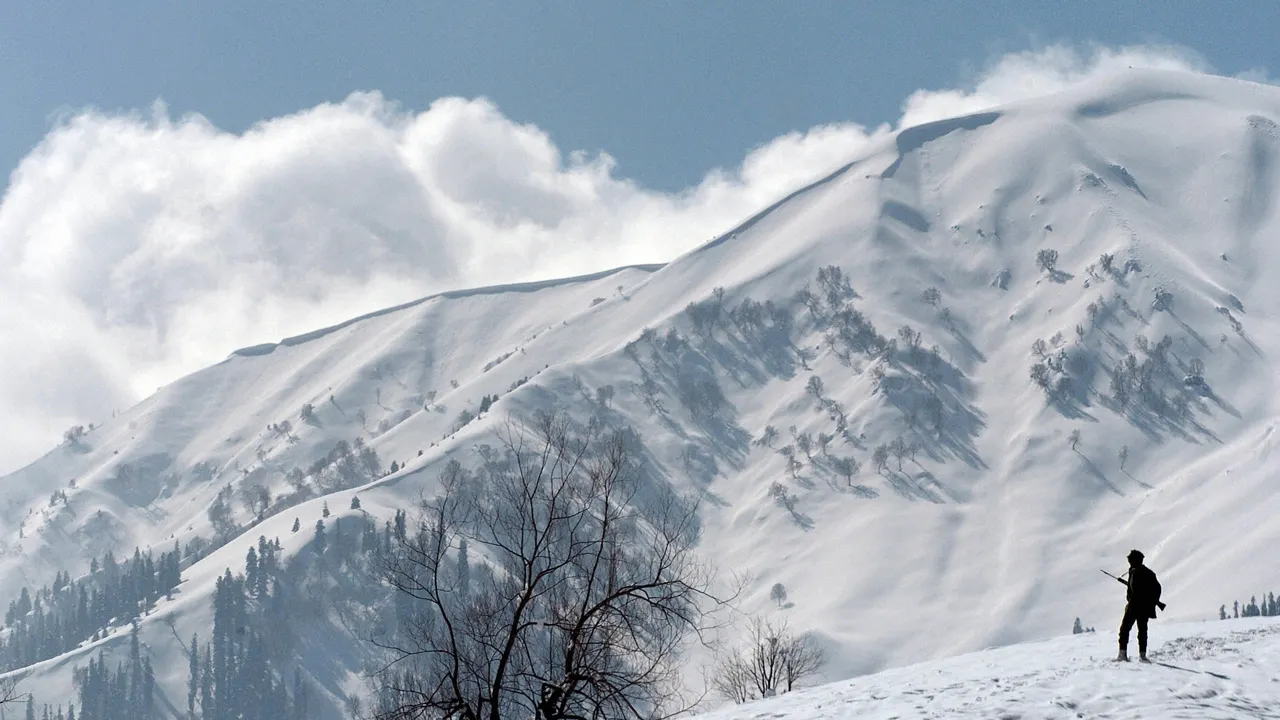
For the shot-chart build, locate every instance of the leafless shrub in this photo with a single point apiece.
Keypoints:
(772, 660)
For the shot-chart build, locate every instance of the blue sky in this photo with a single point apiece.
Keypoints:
(669, 89)
(318, 160)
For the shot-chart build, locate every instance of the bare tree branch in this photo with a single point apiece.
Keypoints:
(583, 591)
(772, 660)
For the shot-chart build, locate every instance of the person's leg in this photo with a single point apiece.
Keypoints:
(1125, 626)
(1142, 636)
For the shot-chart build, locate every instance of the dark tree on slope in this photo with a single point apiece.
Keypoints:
(880, 456)
(1047, 260)
(845, 467)
(778, 594)
(581, 606)
(931, 296)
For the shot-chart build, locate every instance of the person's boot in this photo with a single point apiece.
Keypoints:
(1123, 656)
(1142, 655)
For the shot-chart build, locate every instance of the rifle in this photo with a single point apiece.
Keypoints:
(1126, 584)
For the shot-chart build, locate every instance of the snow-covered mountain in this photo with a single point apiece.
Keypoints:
(1155, 194)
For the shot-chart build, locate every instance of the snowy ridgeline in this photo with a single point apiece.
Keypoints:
(960, 375)
(1212, 670)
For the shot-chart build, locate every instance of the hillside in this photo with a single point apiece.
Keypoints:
(1203, 670)
(990, 527)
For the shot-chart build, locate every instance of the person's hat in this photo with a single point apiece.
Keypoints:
(1135, 555)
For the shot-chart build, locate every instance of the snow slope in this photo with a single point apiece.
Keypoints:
(1204, 670)
(992, 535)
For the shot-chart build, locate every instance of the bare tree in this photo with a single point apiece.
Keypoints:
(604, 395)
(1047, 260)
(581, 605)
(880, 456)
(76, 433)
(1040, 375)
(256, 499)
(778, 593)
(773, 660)
(899, 449)
(9, 690)
(824, 442)
(804, 441)
(846, 468)
(931, 296)
(910, 338)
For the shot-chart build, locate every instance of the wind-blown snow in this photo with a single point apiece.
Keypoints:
(994, 534)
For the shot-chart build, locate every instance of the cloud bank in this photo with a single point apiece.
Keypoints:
(137, 248)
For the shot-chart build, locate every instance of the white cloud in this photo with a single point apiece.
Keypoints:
(137, 248)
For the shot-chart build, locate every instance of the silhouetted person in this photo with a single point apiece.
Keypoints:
(1143, 596)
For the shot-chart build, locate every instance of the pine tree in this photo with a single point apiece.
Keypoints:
(251, 569)
(324, 509)
(148, 690)
(320, 539)
(31, 708)
(193, 678)
(1222, 612)
(1078, 628)
(135, 673)
(297, 525)
(208, 706)
(355, 502)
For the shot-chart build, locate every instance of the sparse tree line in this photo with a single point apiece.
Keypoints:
(346, 465)
(696, 387)
(1267, 608)
(846, 332)
(1156, 383)
(1152, 380)
(53, 620)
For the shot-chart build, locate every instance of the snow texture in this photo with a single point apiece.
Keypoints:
(1210, 670)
